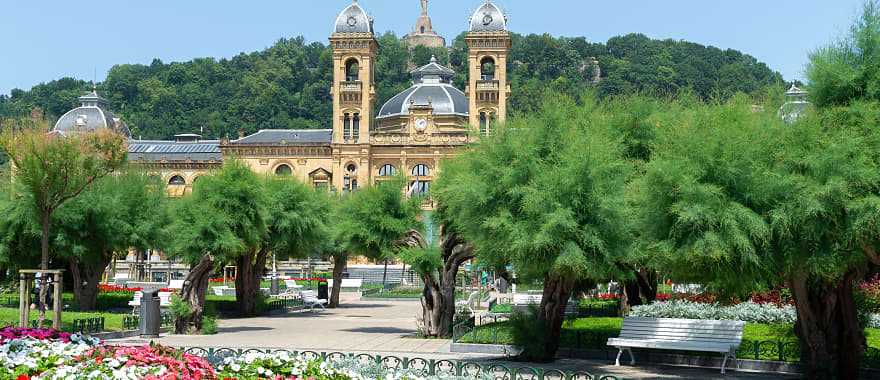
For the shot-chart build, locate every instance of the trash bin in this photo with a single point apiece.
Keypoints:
(151, 317)
(323, 292)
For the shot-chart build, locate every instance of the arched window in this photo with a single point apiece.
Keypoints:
(352, 70)
(421, 170)
(283, 170)
(487, 68)
(484, 124)
(177, 180)
(387, 170)
(423, 29)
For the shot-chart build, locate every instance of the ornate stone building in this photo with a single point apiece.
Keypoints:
(413, 132)
(423, 34)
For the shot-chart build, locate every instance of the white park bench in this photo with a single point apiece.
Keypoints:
(164, 300)
(311, 300)
(527, 299)
(723, 337)
(348, 283)
(292, 285)
(223, 291)
(469, 302)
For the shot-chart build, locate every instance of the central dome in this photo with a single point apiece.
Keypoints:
(90, 116)
(432, 85)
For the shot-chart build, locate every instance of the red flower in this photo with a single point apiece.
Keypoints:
(23, 377)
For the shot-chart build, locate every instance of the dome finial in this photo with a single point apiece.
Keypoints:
(433, 58)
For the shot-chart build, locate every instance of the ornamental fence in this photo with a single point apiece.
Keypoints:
(426, 367)
(492, 330)
(133, 321)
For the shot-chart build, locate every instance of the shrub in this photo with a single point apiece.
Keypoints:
(747, 311)
(529, 333)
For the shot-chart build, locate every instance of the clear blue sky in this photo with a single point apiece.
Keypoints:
(41, 40)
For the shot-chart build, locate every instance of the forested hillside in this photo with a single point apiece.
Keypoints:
(287, 85)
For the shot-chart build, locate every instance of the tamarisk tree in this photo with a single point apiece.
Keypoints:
(437, 266)
(371, 222)
(54, 168)
(735, 198)
(545, 194)
(221, 221)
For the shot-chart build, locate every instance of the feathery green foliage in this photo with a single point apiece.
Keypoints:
(544, 193)
(370, 221)
(849, 68)
(224, 216)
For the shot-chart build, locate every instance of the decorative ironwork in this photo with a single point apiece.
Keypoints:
(427, 367)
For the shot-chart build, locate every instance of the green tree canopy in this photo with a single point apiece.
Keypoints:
(545, 194)
(848, 68)
(113, 215)
(738, 200)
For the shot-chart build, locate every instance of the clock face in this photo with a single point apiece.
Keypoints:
(352, 21)
(487, 19)
(421, 125)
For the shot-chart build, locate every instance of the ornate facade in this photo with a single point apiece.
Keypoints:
(412, 133)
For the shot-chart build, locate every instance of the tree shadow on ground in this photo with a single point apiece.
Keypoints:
(242, 329)
(381, 330)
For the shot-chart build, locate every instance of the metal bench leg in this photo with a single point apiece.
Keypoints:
(619, 352)
(632, 359)
(724, 362)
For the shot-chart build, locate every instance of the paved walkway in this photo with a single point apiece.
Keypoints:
(386, 328)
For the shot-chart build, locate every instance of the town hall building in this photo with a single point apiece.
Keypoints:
(411, 133)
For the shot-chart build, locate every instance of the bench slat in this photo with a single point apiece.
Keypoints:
(682, 322)
(683, 346)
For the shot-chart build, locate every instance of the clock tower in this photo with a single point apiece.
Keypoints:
(354, 95)
(488, 43)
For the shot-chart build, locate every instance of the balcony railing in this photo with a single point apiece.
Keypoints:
(351, 86)
(487, 85)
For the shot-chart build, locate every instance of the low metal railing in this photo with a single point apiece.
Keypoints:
(427, 367)
(88, 325)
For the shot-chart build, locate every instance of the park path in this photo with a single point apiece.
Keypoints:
(386, 328)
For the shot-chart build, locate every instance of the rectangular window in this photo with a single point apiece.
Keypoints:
(483, 124)
(346, 128)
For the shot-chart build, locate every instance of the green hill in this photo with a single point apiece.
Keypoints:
(287, 85)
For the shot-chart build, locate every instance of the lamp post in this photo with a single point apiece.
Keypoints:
(273, 287)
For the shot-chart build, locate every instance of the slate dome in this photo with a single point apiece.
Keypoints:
(90, 116)
(432, 84)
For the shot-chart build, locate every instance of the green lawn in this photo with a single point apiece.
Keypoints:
(592, 333)
(112, 321)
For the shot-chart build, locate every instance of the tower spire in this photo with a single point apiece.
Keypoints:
(424, 7)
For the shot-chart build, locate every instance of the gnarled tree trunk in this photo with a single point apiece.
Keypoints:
(831, 340)
(642, 289)
(339, 263)
(557, 291)
(251, 267)
(86, 277)
(195, 287)
(438, 298)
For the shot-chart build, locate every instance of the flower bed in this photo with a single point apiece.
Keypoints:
(109, 288)
(147, 362)
(52, 355)
(747, 311)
